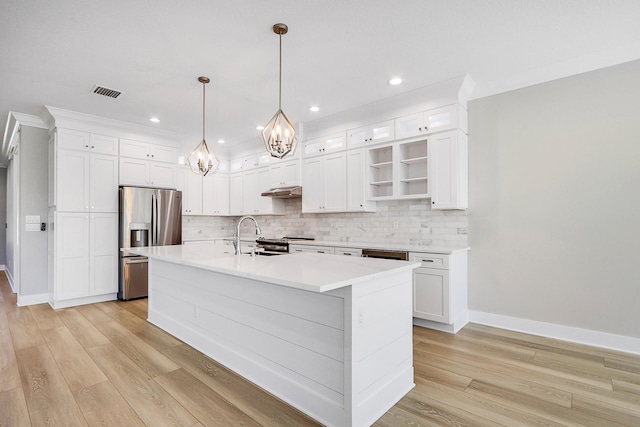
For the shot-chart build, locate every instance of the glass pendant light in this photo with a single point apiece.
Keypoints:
(279, 135)
(202, 160)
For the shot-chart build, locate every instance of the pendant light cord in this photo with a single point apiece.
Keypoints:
(203, 105)
(280, 78)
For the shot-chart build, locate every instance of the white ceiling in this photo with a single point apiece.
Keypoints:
(338, 54)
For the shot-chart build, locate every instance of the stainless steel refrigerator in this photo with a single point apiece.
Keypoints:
(148, 217)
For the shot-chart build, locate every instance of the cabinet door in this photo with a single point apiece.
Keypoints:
(134, 172)
(221, 194)
(313, 185)
(72, 181)
(134, 149)
(264, 204)
(251, 192)
(72, 255)
(431, 294)
(235, 194)
(335, 176)
(445, 118)
(163, 153)
(215, 194)
(104, 183)
(73, 139)
(192, 195)
(447, 170)
(356, 182)
(103, 144)
(103, 266)
(382, 132)
(162, 175)
(409, 126)
(357, 137)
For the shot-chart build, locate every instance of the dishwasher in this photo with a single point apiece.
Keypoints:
(385, 254)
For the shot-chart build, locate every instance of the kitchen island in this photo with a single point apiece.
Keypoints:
(330, 335)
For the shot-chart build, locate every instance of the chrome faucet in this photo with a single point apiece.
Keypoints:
(236, 237)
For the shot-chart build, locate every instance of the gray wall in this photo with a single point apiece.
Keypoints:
(3, 215)
(554, 215)
(33, 201)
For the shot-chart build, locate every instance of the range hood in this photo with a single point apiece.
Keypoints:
(284, 192)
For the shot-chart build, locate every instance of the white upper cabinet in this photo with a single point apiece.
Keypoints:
(256, 161)
(357, 182)
(448, 165)
(325, 145)
(215, 194)
(324, 181)
(86, 182)
(284, 174)
(372, 134)
(85, 141)
(147, 151)
(436, 120)
(253, 203)
(236, 194)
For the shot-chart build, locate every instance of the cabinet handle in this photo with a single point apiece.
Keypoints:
(433, 203)
(427, 260)
(320, 252)
(147, 155)
(152, 155)
(93, 146)
(86, 146)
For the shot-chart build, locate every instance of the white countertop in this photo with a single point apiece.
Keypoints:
(307, 271)
(359, 245)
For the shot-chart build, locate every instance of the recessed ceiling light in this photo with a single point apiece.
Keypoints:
(314, 108)
(395, 81)
(260, 127)
(154, 120)
(221, 141)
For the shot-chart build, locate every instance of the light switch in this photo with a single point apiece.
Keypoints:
(32, 227)
(32, 219)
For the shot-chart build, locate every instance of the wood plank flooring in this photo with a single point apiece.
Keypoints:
(104, 364)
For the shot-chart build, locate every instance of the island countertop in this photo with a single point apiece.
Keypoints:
(306, 271)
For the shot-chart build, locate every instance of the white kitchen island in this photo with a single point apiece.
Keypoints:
(330, 335)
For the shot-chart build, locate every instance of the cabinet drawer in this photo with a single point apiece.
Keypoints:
(349, 252)
(312, 249)
(430, 260)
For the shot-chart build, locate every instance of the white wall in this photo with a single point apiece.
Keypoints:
(554, 215)
(3, 215)
(31, 182)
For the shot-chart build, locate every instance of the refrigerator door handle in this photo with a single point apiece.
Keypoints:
(154, 220)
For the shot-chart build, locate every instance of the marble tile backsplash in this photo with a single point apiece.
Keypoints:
(399, 221)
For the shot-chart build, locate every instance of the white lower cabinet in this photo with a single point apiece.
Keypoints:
(85, 258)
(440, 290)
(312, 249)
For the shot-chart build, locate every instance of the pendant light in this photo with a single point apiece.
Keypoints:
(279, 135)
(202, 160)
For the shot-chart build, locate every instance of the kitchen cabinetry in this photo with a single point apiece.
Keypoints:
(448, 165)
(440, 290)
(324, 179)
(84, 141)
(235, 194)
(372, 134)
(145, 164)
(215, 194)
(284, 173)
(436, 120)
(380, 166)
(325, 145)
(357, 182)
(355, 252)
(312, 249)
(85, 260)
(254, 183)
(84, 180)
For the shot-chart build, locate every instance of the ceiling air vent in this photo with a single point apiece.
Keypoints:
(111, 93)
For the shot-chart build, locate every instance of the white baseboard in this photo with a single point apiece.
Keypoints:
(11, 282)
(551, 330)
(24, 300)
(2, 267)
(458, 323)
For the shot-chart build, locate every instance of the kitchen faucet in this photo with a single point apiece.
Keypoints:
(236, 237)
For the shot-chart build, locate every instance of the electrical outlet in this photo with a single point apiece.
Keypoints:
(395, 225)
(462, 231)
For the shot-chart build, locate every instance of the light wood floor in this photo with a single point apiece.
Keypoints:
(103, 364)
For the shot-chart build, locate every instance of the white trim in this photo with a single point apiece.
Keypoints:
(551, 330)
(453, 328)
(29, 120)
(81, 301)
(24, 300)
(11, 282)
(2, 267)
(594, 61)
